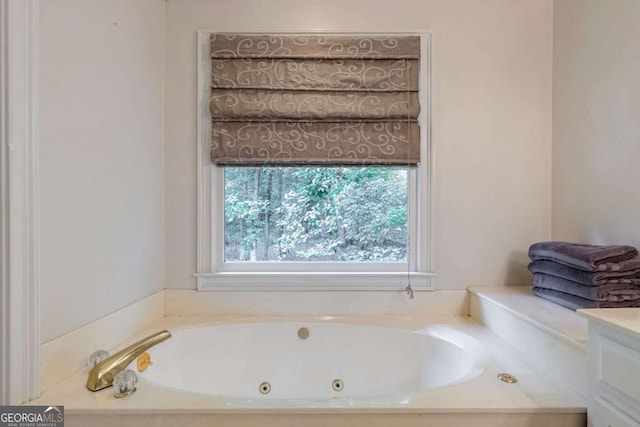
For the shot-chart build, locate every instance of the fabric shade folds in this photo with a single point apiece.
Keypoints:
(314, 100)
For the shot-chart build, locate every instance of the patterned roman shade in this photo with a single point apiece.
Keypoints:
(314, 100)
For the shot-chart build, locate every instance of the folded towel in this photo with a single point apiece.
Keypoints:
(630, 277)
(587, 257)
(574, 302)
(611, 293)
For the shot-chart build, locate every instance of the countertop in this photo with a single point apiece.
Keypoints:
(626, 320)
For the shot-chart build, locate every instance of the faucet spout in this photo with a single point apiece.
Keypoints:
(102, 374)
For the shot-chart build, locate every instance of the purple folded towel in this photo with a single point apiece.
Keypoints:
(631, 277)
(587, 257)
(574, 302)
(611, 293)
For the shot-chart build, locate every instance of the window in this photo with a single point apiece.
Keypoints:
(306, 214)
(312, 226)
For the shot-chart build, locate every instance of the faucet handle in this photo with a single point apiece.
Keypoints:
(97, 357)
(125, 383)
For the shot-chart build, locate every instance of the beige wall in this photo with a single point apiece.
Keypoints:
(596, 121)
(101, 158)
(492, 120)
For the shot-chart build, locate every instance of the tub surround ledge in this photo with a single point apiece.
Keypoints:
(180, 302)
(319, 419)
(65, 355)
(549, 338)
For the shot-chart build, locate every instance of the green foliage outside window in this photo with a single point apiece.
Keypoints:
(316, 214)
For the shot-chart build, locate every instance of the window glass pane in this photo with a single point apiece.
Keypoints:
(316, 214)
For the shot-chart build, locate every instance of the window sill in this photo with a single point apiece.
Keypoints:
(297, 281)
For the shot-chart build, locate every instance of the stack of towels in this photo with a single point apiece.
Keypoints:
(586, 276)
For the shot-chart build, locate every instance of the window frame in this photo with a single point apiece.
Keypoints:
(214, 274)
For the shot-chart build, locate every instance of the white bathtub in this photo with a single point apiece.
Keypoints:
(342, 362)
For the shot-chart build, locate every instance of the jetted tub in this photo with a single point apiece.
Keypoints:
(245, 362)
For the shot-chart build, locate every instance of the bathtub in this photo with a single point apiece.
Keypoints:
(314, 363)
(396, 371)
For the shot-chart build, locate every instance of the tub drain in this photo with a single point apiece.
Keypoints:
(265, 388)
(303, 333)
(337, 385)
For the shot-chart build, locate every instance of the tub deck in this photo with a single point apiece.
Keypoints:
(534, 400)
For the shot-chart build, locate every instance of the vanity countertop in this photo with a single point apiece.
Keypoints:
(626, 320)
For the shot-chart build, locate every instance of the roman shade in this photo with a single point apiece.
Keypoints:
(314, 100)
